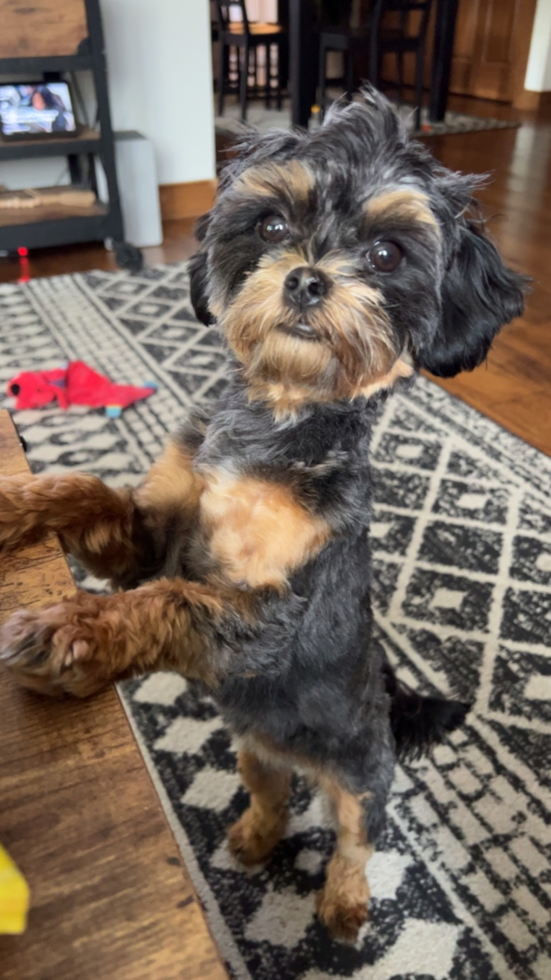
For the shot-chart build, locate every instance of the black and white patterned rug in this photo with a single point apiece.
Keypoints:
(461, 884)
(454, 122)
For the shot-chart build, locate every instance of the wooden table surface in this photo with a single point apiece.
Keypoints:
(110, 899)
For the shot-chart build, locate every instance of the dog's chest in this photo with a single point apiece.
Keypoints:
(255, 531)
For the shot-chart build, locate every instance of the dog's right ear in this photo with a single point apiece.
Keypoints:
(198, 276)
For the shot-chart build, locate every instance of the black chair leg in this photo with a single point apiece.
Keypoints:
(221, 73)
(322, 59)
(419, 63)
(279, 75)
(400, 66)
(268, 76)
(253, 72)
(374, 59)
(243, 82)
(349, 73)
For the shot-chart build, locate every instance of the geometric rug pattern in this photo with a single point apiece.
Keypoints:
(461, 882)
(264, 119)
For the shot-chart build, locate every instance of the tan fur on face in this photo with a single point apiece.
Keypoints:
(256, 532)
(354, 346)
(290, 185)
(403, 205)
(292, 180)
(353, 313)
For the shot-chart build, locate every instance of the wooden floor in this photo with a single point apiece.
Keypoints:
(514, 386)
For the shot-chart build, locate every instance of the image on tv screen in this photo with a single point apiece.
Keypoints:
(33, 110)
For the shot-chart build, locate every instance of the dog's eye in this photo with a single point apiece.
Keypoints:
(385, 256)
(273, 229)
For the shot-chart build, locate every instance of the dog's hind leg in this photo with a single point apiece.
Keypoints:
(253, 837)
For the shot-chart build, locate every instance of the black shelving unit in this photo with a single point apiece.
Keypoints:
(48, 225)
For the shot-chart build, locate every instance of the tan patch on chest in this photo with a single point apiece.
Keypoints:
(172, 485)
(257, 532)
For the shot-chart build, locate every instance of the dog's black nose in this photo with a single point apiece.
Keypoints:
(305, 287)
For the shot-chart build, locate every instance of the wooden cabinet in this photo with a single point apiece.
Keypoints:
(43, 28)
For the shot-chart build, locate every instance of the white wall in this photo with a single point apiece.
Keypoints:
(538, 70)
(158, 56)
(159, 69)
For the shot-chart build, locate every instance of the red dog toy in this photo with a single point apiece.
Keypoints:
(75, 384)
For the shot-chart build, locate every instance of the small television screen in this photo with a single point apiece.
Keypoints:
(37, 109)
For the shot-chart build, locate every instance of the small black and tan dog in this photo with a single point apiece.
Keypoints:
(335, 264)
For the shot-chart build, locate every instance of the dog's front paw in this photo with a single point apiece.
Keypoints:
(49, 652)
(342, 919)
(252, 840)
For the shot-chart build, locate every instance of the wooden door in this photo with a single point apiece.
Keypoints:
(486, 47)
(492, 41)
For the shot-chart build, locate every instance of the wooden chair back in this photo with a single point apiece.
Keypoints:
(410, 16)
(225, 8)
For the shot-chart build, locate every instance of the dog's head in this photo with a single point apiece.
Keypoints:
(334, 262)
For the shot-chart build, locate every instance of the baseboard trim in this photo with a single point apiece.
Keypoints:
(532, 101)
(188, 200)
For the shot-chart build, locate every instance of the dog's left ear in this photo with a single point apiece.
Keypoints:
(479, 295)
(198, 276)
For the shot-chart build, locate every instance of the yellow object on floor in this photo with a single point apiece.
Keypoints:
(14, 896)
